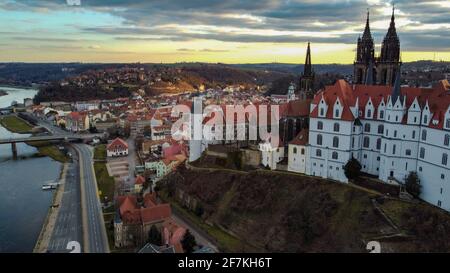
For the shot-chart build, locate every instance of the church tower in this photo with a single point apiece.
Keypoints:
(389, 63)
(307, 78)
(365, 54)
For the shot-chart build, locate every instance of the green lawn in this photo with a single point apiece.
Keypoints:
(53, 152)
(100, 152)
(104, 181)
(16, 125)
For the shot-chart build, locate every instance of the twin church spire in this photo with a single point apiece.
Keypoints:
(381, 70)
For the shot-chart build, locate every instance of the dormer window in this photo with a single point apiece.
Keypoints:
(321, 112)
(369, 113)
(336, 113)
(447, 123)
(425, 119)
(381, 114)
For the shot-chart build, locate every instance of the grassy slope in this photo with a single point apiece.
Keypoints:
(16, 125)
(104, 181)
(291, 213)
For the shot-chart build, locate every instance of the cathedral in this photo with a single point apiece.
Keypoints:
(380, 70)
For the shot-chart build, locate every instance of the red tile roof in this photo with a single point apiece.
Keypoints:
(301, 138)
(437, 97)
(118, 142)
(139, 180)
(155, 213)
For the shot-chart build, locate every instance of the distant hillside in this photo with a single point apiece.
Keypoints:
(275, 212)
(118, 81)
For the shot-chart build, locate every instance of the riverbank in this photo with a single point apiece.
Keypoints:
(50, 220)
(45, 148)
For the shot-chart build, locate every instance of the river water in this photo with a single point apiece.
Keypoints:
(23, 205)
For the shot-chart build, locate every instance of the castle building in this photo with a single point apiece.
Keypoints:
(391, 131)
(381, 70)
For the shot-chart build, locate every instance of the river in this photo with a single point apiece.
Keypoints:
(23, 204)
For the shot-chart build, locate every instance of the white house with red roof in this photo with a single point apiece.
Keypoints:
(298, 151)
(117, 147)
(391, 131)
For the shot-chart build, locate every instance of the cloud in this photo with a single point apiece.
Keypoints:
(263, 21)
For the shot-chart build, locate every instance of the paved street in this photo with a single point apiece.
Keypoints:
(94, 228)
(68, 225)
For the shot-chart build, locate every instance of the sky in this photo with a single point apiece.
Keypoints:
(227, 31)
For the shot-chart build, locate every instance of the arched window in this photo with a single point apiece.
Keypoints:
(425, 119)
(319, 125)
(367, 127)
(319, 139)
(318, 152)
(335, 142)
(303, 151)
(378, 143)
(380, 128)
(422, 153)
(393, 149)
(444, 159)
(424, 135)
(295, 150)
(334, 155)
(321, 112)
(369, 113)
(366, 142)
(336, 127)
(447, 140)
(381, 114)
(336, 113)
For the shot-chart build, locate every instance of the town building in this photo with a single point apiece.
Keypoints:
(117, 147)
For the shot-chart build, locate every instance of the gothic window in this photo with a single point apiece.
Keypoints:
(321, 111)
(367, 127)
(366, 142)
(369, 113)
(447, 140)
(335, 142)
(336, 127)
(381, 114)
(378, 143)
(303, 151)
(295, 150)
(336, 113)
(444, 159)
(422, 153)
(334, 155)
(319, 125)
(424, 135)
(425, 119)
(380, 128)
(319, 139)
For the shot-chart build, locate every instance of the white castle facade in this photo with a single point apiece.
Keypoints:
(391, 131)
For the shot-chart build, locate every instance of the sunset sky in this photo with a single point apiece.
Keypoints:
(229, 31)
